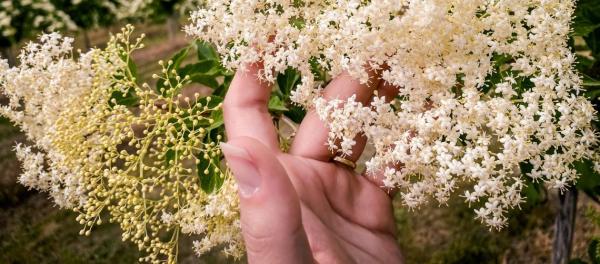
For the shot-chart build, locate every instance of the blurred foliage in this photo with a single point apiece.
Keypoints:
(585, 41)
(88, 14)
(25, 19)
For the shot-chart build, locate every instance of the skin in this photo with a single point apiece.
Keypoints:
(301, 207)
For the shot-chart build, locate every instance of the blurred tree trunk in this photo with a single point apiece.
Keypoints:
(564, 225)
(8, 54)
(86, 40)
(173, 25)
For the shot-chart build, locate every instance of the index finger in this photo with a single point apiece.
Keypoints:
(245, 108)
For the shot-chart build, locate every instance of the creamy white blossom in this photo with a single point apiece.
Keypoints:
(484, 87)
(142, 163)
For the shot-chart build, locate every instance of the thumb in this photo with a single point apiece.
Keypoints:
(270, 208)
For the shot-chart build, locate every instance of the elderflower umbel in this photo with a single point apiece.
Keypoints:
(485, 87)
(142, 163)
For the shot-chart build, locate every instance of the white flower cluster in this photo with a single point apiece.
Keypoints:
(142, 164)
(38, 91)
(40, 14)
(218, 213)
(488, 96)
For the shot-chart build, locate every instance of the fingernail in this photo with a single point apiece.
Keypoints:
(245, 172)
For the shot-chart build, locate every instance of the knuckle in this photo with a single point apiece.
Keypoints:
(257, 242)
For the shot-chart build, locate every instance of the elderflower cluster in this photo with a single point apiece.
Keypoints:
(38, 91)
(41, 14)
(488, 98)
(109, 148)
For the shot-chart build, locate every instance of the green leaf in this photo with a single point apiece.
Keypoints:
(593, 42)
(214, 101)
(592, 87)
(317, 70)
(276, 104)
(5, 121)
(297, 22)
(209, 173)
(206, 51)
(593, 83)
(594, 251)
(207, 80)
(127, 99)
(586, 17)
(501, 59)
(533, 191)
(584, 27)
(288, 81)
(593, 94)
(217, 117)
(208, 67)
(132, 68)
(295, 113)
(589, 180)
(583, 62)
(589, 81)
(203, 72)
(178, 58)
(169, 156)
(222, 89)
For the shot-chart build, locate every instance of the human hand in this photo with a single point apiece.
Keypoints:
(301, 207)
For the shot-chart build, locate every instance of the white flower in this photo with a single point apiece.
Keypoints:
(459, 117)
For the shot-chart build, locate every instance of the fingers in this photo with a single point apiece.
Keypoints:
(270, 207)
(245, 108)
(312, 133)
